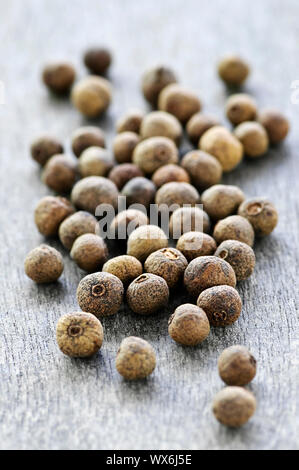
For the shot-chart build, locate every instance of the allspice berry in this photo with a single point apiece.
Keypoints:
(208, 271)
(153, 82)
(89, 252)
(276, 124)
(177, 194)
(50, 212)
(44, 264)
(237, 366)
(189, 325)
(188, 219)
(161, 124)
(126, 222)
(168, 263)
(147, 294)
(85, 137)
(98, 60)
(198, 124)
(126, 268)
(76, 225)
(222, 144)
(100, 294)
(91, 192)
(222, 304)
(60, 173)
(145, 240)
(239, 255)
(151, 154)
(234, 227)
(261, 214)
(234, 406)
(240, 108)
(204, 169)
(139, 190)
(59, 77)
(95, 161)
(170, 173)
(92, 96)
(221, 200)
(195, 244)
(121, 174)
(79, 334)
(124, 145)
(136, 359)
(233, 70)
(45, 147)
(131, 121)
(179, 101)
(254, 138)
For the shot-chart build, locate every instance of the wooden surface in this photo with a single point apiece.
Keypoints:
(48, 401)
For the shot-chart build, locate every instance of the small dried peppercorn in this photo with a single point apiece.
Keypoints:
(154, 80)
(126, 222)
(91, 192)
(121, 174)
(234, 227)
(195, 244)
(177, 194)
(189, 325)
(188, 219)
(131, 121)
(136, 359)
(59, 77)
(198, 124)
(240, 108)
(98, 60)
(85, 137)
(152, 153)
(44, 264)
(126, 268)
(237, 366)
(222, 304)
(204, 169)
(261, 214)
(254, 138)
(76, 225)
(239, 255)
(168, 263)
(221, 200)
(92, 96)
(233, 70)
(169, 173)
(145, 240)
(50, 212)
(222, 144)
(276, 124)
(147, 294)
(161, 124)
(179, 101)
(90, 252)
(234, 406)
(45, 147)
(139, 190)
(124, 145)
(95, 161)
(60, 173)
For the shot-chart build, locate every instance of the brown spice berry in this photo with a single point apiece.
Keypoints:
(276, 124)
(145, 240)
(239, 255)
(169, 173)
(237, 366)
(177, 194)
(43, 148)
(189, 325)
(136, 359)
(222, 304)
(50, 212)
(208, 271)
(194, 244)
(126, 268)
(90, 252)
(76, 225)
(121, 174)
(98, 60)
(124, 145)
(79, 334)
(139, 190)
(126, 222)
(59, 77)
(222, 144)
(100, 294)
(153, 82)
(234, 406)
(44, 264)
(85, 137)
(204, 169)
(220, 200)
(233, 70)
(95, 161)
(151, 154)
(168, 263)
(60, 173)
(161, 124)
(262, 215)
(234, 227)
(253, 137)
(188, 219)
(130, 122)
(240, 108)
(91, 192)
(198, 124)
(147, 294)
(92, 96)
(179, 101)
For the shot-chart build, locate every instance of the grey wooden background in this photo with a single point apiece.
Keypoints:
(48, 401)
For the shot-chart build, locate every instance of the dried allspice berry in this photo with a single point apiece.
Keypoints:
(198, 124)
(121, 174)
(139, 190)
(136, 359)
(100, 294)
(131, 121)
(195, 244)
(276, 124)
(126, 268)
(168, 263)
(254, 139)
(50, 212)
(60, 173)
(45, 147)
(79, 334)
(239, 255)
(126, 222)
(91, 192)
(222, 304)
(152, 153)
(85, 137)
(237, 366)
(179, 101)
(95, 161)
(76, 225)
(92, 96)
(44, 264)
(222, 144)
(204, 169)
(189, 325)
(178, 194)
(161, 124)
(124, 145)
(147, 294)
(145, 240)
(59, 77)
(170, 173)
(261, 214)
(98, 60)
(188, 219)
(221, 200)
(240, 108)
(208, 271)
(234, 227)
(90, 252)
(154, 80)
(233, 70)
(234, 406)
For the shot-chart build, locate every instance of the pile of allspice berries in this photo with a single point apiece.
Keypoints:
(145, 167)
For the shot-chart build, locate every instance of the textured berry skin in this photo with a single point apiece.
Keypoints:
(234, 227)
(195, 244)
(161, 124)
(50, 212)
(44, 147)
(170, 173)
(155, 152)
(139, 190)
(121, 174)
(204, 169)
(126, 268)
(222, 144)
(221, 201)
(253, 137)
(276, 125)
(124, 145)
(145, 240)
(44, 264)
(136, 359)
(91, 192)
(131, 121)
(92, 96)
(177, 193)
(59, 77)
(76, 225)
(126, 222)
(189, 325)
(147, 294)
(179, 101)
(98, 60)
(198, 124)
(188, 219)
(239, 255)
(234, 406)
(262, 215)
(153, 82)
(95, 161)
(60, 173)
(90, 252)
(237, 366)
(222, 304)
(85, 137)
(240, 108)
(168, 263)
(233, 70)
